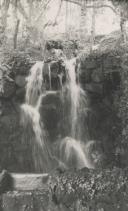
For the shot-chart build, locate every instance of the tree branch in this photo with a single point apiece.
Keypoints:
(91, 6)
(22, 10)
(41, 13)
(4, 8)
(16, 33)
(58, 11)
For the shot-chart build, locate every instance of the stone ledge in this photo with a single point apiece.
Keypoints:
(29, 182)
(30, 193)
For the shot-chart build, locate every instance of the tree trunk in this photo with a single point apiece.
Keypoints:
(83, 30)
(122, 27)
(16, 29)
(93, 26)
(4, 13)
(16, 33)
(30, 4)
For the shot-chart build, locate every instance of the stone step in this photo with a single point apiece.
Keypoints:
(30, 193)
(29, 182)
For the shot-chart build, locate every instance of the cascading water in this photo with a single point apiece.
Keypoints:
(30, 118)
(34, 84)
(73, 153)
(78, 100)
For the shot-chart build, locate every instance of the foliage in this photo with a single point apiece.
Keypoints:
(21, 23)
(93, 188)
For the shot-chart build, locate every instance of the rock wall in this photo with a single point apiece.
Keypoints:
(12, 81)
(99, 76)
(122, 102)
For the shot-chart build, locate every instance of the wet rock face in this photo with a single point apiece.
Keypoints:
(12, 95)
(20, 80)
(12, 92)
(9, 89)
(11, 148)
(100, 77)
(51, 113)
(97, 74)
(100, 120)
(54, 75)
(7, 85)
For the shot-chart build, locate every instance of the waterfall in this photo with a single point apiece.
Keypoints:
(78, 100)
(74, 154)
(30, 118)
(34, 84)
(73, 151)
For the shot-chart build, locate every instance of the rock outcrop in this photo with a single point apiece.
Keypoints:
(99, 76)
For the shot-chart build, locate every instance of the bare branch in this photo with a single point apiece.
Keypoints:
(75, 2)
(16, 34)
(58, 13)
(4, 11)
(41, 13)
(21, 9)
(91, 6)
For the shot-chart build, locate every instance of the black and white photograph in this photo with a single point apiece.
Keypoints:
(63, 105)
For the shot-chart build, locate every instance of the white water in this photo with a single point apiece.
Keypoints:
(30, 118)
(36, 137)
(34, 84)
(75, 153)
(72, 153)
(78, 99)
